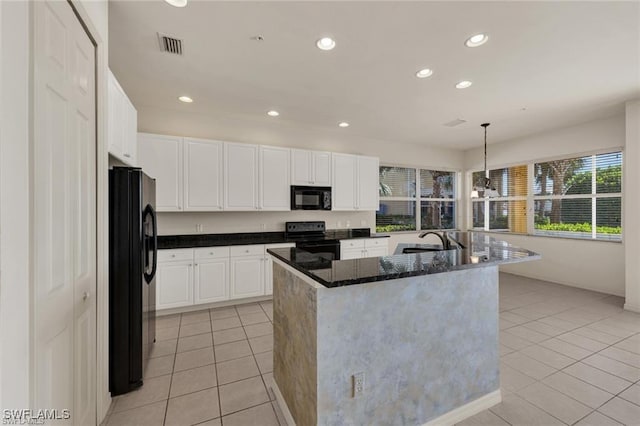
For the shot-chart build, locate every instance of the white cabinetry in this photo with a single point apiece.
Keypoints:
(174, 278)
(355, 182)
(344, 191)
(310, 168)
(240, 176)
(367, 183)
(161, 158)
(275, 178)
(122, 123)
(211, 278)
(203, 175)
(247, 271)
(360, 248)
(268, 273)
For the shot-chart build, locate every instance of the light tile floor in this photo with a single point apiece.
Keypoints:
(568, 356)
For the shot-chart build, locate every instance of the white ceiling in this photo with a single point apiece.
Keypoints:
(565, 62)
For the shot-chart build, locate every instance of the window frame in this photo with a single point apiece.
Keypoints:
(418, 198)
(531, 198)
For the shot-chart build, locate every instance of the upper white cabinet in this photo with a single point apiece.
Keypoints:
(367, 183)
(161, 158)
(203, 175)
(355, 182)
(241, 176)
(345, 174)
(310, 168)
(122, 123)
(275, 178)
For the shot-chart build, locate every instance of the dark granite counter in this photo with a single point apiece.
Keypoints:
(212, 240)
(479, 250)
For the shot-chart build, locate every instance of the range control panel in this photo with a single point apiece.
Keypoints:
(305, 227)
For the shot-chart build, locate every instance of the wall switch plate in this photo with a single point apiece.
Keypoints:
(358, 384)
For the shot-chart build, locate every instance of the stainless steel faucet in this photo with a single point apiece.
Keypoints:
(446, 244)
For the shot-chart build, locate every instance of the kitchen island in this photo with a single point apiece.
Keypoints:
(420, 330)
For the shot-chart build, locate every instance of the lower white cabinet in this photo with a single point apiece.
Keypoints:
(174, 287)
(213, 274)
(247, 277)
(366, 247)
(210, 281)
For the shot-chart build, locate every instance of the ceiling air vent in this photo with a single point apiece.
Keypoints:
(170, 44)
(454, 123)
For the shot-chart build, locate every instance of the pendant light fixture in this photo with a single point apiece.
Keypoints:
(484, 189)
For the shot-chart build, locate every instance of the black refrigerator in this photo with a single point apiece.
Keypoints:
(132, 269)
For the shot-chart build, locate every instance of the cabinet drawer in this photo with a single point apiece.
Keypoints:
(376, 242)
(252, 250)
(175, 254)
(211, 253)
(351, 244)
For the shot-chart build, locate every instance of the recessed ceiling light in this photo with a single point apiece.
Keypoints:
(343, 124)
(273, 113)
(177, 3)
(326, 43)
(463, 84)
(185, 99)
(424, 73)
(476, 40)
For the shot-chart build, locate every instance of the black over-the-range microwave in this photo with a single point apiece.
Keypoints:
(310, 198)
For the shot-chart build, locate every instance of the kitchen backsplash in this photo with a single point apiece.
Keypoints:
(227, 222)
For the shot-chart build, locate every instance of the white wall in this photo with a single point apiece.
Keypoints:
(631, 223)
(594, 265)
(15, 313)
(229, 222)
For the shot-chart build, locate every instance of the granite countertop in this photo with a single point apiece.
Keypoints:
(480, 250)
(212, 240)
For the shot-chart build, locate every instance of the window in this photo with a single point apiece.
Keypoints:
(414, 199)
(508, 212)
(577, 197)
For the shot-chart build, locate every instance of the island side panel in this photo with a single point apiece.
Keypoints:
(426, 344)
(294, 344)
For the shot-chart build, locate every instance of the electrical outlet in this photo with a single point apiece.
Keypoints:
(199, 227)
(358, 384)
(348, 224)
(363, 223)
(263, 226)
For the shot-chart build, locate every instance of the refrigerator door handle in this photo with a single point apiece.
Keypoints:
(150, 211)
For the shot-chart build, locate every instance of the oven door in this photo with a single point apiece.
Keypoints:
(329, 250)
(310, 198)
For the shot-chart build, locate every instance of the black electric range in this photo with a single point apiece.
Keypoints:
(311, 237)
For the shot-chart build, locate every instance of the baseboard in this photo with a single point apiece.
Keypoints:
(192, 308)
(567, 283)
(472, 408)
(631, 308)
(282, 404)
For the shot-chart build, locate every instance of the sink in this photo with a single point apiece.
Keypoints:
(420, 249)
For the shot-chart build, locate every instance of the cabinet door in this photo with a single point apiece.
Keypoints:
(247, 277)
(344, 177)
(174, 285)
(130, 152)
(115, 117)
(376, 251)
(241, 176)
(352, 254)
(275, 177)
(268, 272)
(301, 167)
(161, 158)
(203, 175)
(368, 183)
(211, 281)
(321, 162)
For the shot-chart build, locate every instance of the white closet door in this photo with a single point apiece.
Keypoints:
(64, 273)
